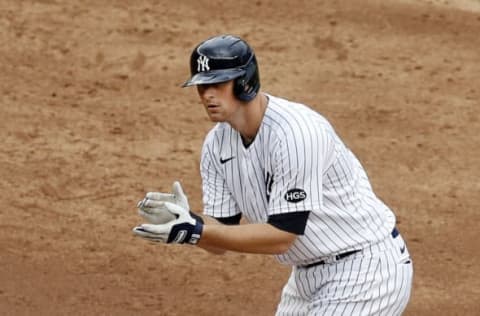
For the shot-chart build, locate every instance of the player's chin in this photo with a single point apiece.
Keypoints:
(216, 117)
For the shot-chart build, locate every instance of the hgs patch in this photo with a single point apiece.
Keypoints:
(295, 195)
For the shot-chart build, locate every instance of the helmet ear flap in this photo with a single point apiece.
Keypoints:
(246, 87)
(239, 87)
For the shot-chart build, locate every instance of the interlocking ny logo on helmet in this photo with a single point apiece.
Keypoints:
(202, 64)
(223, 58)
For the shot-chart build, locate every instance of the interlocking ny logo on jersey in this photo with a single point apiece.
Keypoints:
(295, 195)
(268, 184)
(202, 62)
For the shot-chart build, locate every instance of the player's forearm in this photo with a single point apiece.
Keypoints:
(211, 221)
(250, 238)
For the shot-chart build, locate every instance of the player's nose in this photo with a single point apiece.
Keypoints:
(206, 91)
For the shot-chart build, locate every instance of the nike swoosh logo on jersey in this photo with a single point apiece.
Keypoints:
(222, 161)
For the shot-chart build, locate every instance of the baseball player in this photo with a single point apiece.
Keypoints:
(304, 195)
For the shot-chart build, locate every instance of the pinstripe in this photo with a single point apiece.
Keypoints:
(398, 305)
(302, 172)
(287, 122)
(300, 285)
(328, 237)
(404, 294)
(369, 294)
(314, 156)
(277, 130)
(210, 167)
(339, 285)
(254, 199)
(233, 185)
(383, 296)
(356, 284)
(373, 303)
(391, 275)
(363, 284)
(303, 249)
(344, 221)
(220, 142)
(216, 175)
(350, 271)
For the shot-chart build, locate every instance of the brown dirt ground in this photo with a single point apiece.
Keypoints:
(93, 117)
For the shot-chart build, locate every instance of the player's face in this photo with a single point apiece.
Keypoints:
(218, 100)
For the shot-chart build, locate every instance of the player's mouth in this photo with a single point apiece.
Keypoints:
(212, 106)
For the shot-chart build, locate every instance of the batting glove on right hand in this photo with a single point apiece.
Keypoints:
(152, 207)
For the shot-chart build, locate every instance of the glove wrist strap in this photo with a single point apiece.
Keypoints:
(196, 233)
(197, 229)
(187, 232)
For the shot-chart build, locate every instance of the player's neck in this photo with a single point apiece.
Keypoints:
(249, 118)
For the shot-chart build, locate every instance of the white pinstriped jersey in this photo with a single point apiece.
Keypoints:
(296, 163)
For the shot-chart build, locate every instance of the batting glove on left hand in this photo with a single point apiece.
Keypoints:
(152, 208)
(186, 228)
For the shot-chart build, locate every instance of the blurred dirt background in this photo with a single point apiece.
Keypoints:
(92, 117)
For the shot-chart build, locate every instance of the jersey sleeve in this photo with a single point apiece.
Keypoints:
(300, 157)
(217, 199)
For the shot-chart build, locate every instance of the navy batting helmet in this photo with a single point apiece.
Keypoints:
(223, 58)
